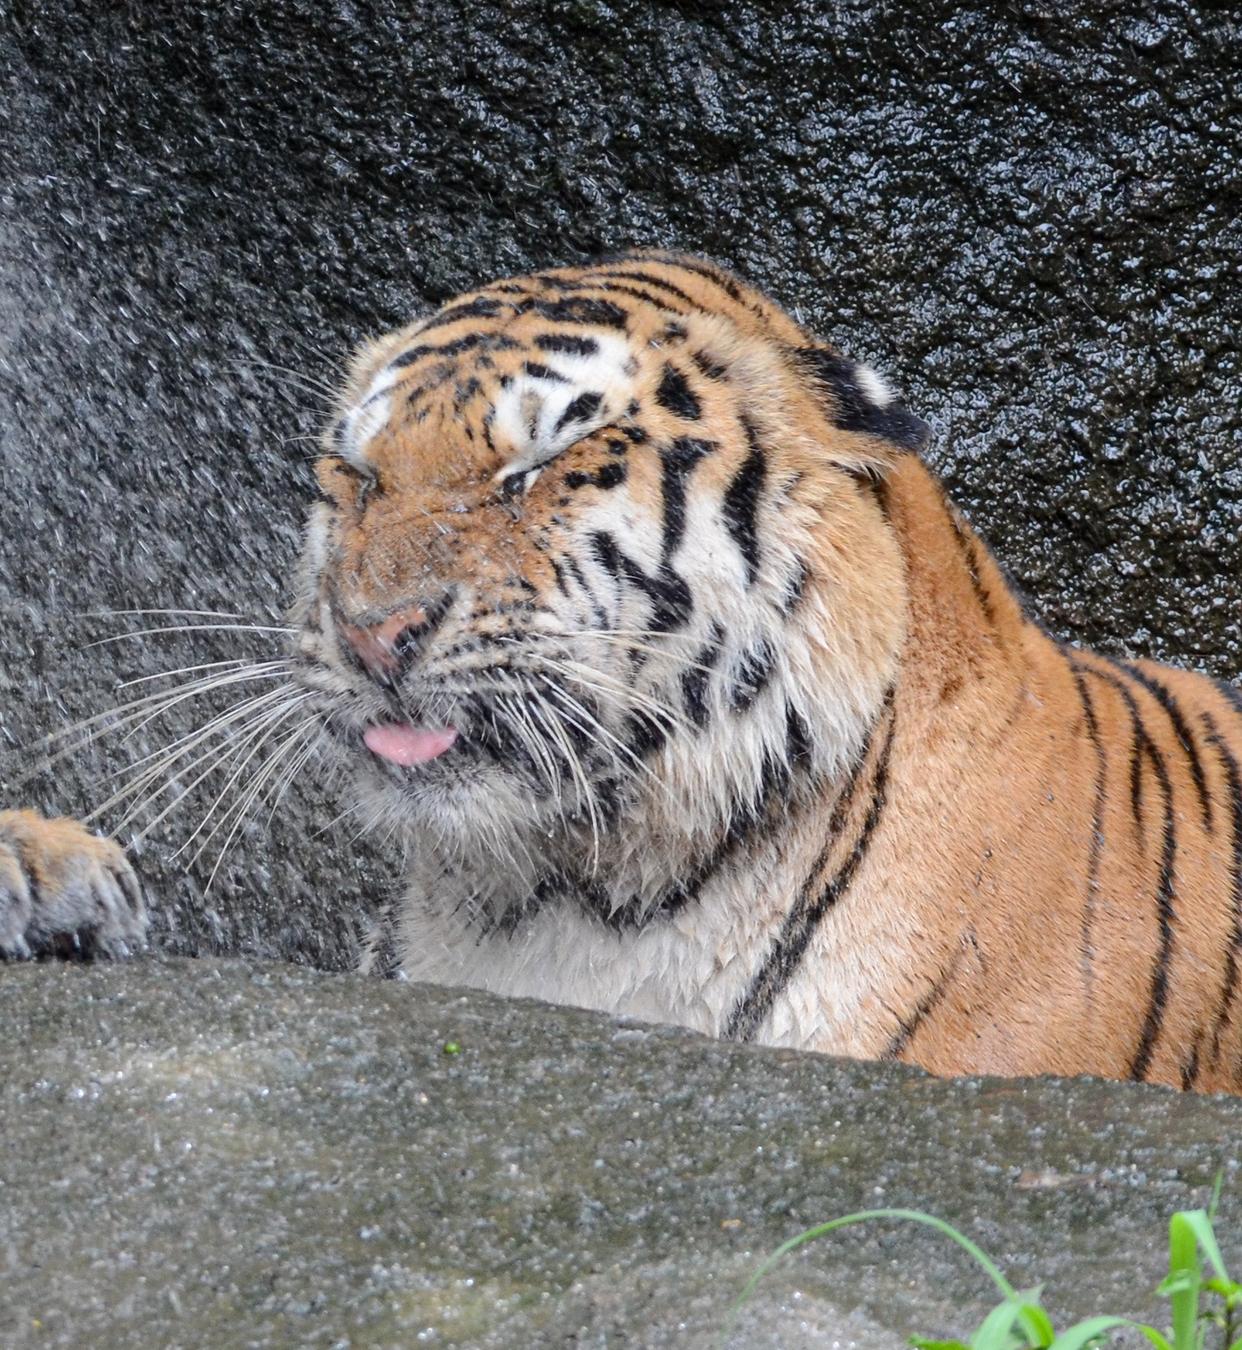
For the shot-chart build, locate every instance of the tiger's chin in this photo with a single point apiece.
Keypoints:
(457, 805)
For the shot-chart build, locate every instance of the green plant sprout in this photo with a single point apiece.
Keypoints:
(1020, 1322)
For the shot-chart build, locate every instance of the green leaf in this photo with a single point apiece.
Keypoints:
(1035, 1321)
(920, 1344)
(995, 1331)
(1201, 1227)
(1184, 1280)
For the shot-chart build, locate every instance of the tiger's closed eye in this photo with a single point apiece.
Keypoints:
(344, 482)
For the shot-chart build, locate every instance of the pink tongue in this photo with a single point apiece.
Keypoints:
(403, 744)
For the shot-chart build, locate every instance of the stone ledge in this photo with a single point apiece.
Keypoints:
(208, 1153)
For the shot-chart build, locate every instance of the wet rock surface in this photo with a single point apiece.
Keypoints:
(207, 1153)
(1027, 215)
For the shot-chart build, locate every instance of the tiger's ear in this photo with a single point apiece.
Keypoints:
(858, 400)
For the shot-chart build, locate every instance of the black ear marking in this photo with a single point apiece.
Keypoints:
(855, 407)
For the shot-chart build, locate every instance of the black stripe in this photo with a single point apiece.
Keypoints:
(970, 560)
(694, 679)
(1138, 744)
(741, 502)
(717, 277)
(574, 309)
(747, 822)
(753, 675)
(538, 371)
(677, 460)
(1096, 844)
(647, 297)
(808, 911)
(1231, 694)
(913, 1020)
(1164, 912)
(646, 733)
(714, 370)
(575, 570)
(633, 274)
(795, 588)
(1158, 996)
(1190, 1069)
(488, 341)
(745, 825)
(463, 394)
(481, 308)
(852, 408)
(799, 748)
(674, 394)
(579, 409)
(671, 601)
(567, 343)
(1229, 989)
(608, 475)
(1163, 695)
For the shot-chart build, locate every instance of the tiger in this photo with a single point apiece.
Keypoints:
(633, 607)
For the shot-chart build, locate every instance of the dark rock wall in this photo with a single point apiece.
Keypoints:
(1026, 214)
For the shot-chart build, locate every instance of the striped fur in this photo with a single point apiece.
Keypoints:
(752, 734)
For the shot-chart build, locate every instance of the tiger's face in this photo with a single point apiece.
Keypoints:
(601, 566)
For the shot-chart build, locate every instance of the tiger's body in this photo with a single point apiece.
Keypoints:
(637, 613)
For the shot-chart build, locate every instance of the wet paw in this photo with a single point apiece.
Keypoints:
(65, 891)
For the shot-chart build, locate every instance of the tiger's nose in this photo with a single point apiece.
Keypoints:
(387, 649)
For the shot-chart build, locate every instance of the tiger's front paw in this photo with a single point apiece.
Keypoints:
(65, 891)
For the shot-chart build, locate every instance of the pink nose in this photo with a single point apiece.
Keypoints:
(386, 649)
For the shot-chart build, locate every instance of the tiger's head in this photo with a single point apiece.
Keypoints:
(601, 567)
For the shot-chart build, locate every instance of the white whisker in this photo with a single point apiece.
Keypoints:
(193, 628)
(243, 807)
(209, 665)
(270, 727)
(252, 713)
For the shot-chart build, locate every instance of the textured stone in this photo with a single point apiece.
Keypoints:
(204, 1153)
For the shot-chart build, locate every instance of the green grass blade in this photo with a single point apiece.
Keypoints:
(1080, 1336)
(864, 1216)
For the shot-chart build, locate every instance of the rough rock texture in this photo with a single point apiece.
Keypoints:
(203, 1154)
(1028, 215)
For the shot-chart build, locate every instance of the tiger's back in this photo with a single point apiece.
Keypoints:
(1080, 827)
